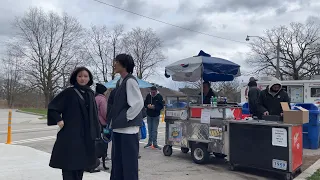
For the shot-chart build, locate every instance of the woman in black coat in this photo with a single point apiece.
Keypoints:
(74, 110)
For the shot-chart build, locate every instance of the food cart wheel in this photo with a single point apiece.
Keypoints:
(288, 176)
(167, 150)
(199, 153)
(219, 155)
(298, 171)
(232, 167)
(184, 150)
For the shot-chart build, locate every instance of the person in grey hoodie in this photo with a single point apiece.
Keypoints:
(270, 98)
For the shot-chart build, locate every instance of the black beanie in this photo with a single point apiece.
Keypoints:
(100, 88)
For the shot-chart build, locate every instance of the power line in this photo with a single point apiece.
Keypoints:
(163, 22)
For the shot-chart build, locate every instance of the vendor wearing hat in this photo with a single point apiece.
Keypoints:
(253, 96)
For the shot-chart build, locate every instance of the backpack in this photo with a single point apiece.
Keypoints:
(143, 131)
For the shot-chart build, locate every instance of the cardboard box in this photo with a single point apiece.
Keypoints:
(300, 116)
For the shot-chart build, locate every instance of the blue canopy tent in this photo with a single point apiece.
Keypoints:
(113, 83)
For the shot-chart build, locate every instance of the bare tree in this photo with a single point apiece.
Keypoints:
(299, 45)
(229, 89)
(12, 74)
(145, 48)
(48, 42)
(97, 48)
(67, 68)
(115, 38)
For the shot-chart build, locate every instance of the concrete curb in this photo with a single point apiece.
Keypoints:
(30, 113)
(309, 171)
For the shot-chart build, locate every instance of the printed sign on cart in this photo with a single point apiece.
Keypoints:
(279, 164)
(181, 114)
(175, 133)
(215, 133)
(205, 116)
(173, 113)
(279, 137)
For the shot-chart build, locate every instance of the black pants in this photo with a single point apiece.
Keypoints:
(72, 175)
(125, 149)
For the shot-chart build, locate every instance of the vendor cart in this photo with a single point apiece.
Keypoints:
(189, 123)
(266, 145)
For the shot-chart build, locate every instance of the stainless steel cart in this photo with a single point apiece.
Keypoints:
(184, 128)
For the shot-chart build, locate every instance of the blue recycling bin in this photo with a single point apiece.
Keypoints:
(311, 130)
(245, 108)
(313, 113)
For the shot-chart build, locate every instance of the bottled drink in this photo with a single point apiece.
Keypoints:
(214, 102)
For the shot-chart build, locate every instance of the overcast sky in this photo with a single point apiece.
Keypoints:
(230, 19)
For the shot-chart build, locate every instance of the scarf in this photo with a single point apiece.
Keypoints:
(94, 125)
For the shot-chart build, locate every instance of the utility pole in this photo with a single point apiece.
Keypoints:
(278, 54)
(278, 59)
(114, 57)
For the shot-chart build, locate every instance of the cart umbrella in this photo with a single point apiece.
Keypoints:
(203, 66)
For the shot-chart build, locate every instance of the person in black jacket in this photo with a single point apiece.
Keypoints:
(253, 97)
(207, 92)
(154, 104)
(270, 98)
(74, 110)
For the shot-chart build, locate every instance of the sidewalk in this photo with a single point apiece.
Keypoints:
(25, 163)
(308, 172)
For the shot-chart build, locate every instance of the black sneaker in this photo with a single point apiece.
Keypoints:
(147, 146)
(157, 147)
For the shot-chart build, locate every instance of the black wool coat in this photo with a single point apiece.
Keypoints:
(74, 148)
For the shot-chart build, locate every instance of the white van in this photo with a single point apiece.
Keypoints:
(299, 91)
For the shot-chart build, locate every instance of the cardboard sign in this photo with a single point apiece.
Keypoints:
(279, 137)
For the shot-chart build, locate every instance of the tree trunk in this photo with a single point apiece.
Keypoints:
(46, 99)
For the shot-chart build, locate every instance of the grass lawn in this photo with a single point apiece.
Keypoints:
(38, 111)
(315, 176)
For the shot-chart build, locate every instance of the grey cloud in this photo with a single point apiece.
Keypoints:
(172, 36)
(138, 6)
(135, 6)
(281, 10)
(8, 11)
(213, 6)
(184, 6)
